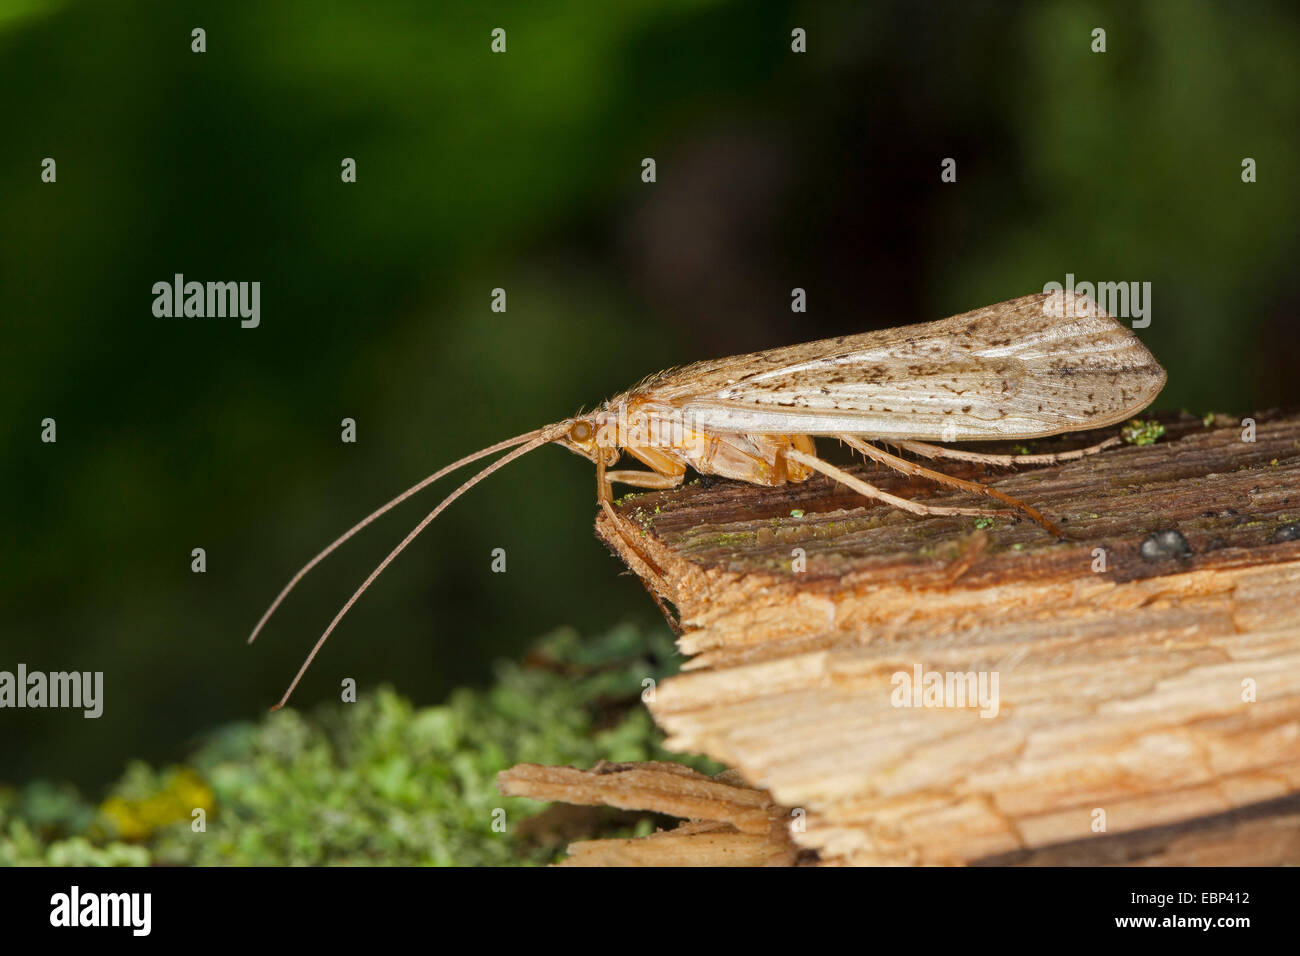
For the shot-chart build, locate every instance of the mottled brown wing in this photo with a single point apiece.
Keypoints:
(1031, 367)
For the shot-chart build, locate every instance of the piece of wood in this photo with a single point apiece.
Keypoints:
(1137, 695)
(729, 822)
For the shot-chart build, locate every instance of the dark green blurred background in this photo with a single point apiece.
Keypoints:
(522, 171)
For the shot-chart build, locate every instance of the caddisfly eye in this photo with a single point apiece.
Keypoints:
(580, 432)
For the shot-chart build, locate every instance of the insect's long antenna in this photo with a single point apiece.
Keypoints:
(441, 472)
(544, 436)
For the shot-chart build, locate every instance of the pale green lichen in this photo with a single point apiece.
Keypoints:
(1138, 432)
(381, 781)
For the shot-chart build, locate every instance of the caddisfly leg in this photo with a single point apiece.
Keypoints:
(926, 450)
(912, 468)
(643, 479)
(605, 496)
(871, 491)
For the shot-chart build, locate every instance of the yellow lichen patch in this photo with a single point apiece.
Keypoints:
(182, 793)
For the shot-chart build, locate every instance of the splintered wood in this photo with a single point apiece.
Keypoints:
(731, 824)
(946, 690)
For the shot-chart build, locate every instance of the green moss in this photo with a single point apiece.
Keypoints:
(379, 781)
(1138, 432)
(722, 539)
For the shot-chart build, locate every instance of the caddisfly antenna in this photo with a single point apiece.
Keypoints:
(544, 436)
(293, 582)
